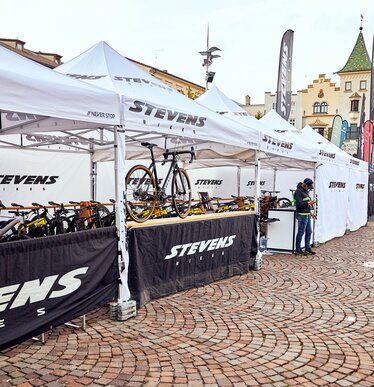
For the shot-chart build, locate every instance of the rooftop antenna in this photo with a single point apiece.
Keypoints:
(157, 51)
(362, 16)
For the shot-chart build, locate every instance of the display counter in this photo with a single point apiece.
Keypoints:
(281, 235)
(170, 255)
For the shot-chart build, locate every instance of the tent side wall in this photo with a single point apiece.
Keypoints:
(332, 193)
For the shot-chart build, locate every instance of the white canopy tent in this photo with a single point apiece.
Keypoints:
(276, 147)
(339, 179)
(154, 112)
(28, 87)
(142, 109)
(343, 180)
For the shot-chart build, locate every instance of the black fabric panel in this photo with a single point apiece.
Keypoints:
(48, 281)
(151, 275)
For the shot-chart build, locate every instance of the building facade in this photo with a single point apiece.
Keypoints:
(354, 98)
(320, 104)
(259, 110)
(322, 100)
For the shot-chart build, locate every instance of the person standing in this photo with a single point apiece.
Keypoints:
(303, 214)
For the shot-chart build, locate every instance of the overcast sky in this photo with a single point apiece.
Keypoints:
(168, 34)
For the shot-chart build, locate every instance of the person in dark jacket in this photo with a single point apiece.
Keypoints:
(303, 214)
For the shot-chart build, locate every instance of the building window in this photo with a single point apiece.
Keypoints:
(324, 107)
(348, 86)
(352, 132)
(292, 121)
(320, 131)
(274, 105)
(354, 105)
(316, 108)
(362, 85)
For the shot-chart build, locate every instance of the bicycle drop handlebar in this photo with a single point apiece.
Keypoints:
(184, 152)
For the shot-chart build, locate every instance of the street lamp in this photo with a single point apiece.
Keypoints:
(208, 60)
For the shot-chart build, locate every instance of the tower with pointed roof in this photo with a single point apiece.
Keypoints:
(354, 84)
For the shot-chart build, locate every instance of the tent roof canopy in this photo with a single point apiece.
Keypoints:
(28, 87)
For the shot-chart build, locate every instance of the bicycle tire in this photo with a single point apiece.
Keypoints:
(181, 199)
(284, 202)
(58, 226)
(140, 193)
(100, 213)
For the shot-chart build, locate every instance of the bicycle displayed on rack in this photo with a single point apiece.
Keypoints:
(144, 192)
(270, 200)
(35, 222)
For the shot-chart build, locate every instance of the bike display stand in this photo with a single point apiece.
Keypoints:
(42, 336)
(83, 326)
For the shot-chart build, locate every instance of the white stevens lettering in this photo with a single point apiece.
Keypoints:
(283, 81)
(201, 246)
(39, 290)
(166, 114)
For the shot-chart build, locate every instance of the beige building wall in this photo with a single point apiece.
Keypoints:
(259, 110)
(189, 89)
(320, 104)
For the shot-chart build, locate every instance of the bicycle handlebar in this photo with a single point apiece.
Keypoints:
(175, 153)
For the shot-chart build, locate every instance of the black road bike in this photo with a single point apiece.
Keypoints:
(144, 192)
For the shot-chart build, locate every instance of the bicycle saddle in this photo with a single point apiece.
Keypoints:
(148, 145)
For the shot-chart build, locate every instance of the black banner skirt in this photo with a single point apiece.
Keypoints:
(168, 258)
(48, 281)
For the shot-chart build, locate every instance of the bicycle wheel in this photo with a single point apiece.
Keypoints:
(284, 202)
(58, 225)
(100, 213)
(140, 193)
(181, 192)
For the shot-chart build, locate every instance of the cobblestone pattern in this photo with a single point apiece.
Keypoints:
(300, 321)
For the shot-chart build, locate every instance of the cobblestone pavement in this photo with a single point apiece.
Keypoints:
(300, 321)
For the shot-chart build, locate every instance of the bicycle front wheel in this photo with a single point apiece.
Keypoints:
(140, 193)
(181, 192)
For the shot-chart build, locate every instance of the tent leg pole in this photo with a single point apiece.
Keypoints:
(258, 259)
(238, 178)
(120, 175)
(93, 171)
(314, 198)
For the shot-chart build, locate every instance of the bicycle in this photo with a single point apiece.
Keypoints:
(144, 192)
(7, 227)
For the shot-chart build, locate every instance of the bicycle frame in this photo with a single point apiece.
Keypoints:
(160, 190)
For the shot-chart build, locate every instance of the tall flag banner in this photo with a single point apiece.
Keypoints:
(284, 92)
(343, 133)
(361, 129)
(368, 139)
(336, 130)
